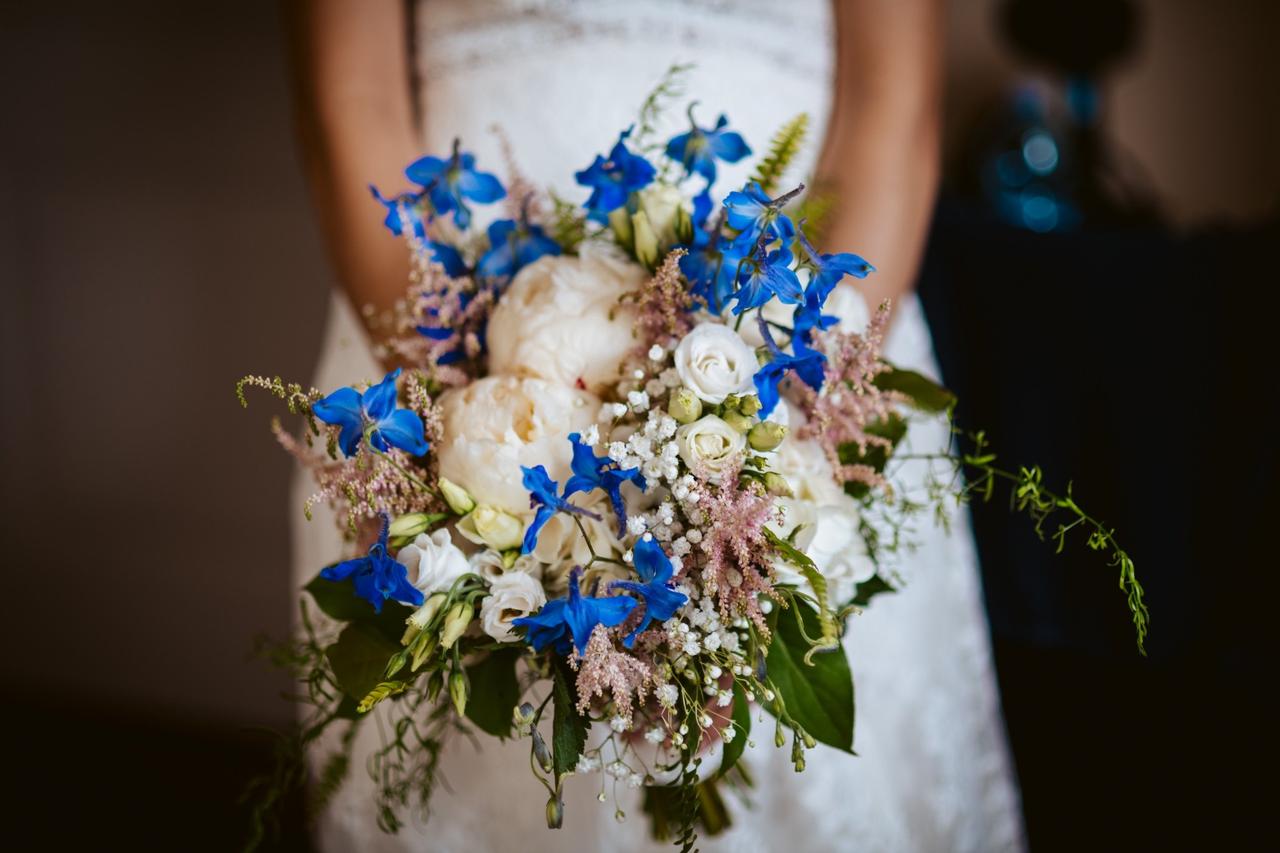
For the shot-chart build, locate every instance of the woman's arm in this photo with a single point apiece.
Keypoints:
(350, 64)
(880, 158)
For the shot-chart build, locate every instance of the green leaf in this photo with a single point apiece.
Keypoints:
(359, 658)
(819, 696)
(924, 393)
(339, 601)
(742, 725)
(783, 148)
(893, 428)
(568, 728)
(829, 637)
(494, 691)
(869, 589)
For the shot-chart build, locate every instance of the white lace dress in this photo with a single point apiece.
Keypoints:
(932, 771)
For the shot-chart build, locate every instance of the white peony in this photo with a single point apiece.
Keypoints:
(561, 320)
(511, 595)
(710, 443)
(499, 423)
(713, 361)
(434, 562)
(830, 536)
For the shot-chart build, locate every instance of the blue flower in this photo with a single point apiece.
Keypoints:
(806, 363)
(404, 211)
(375, 411)
(512, 246)
(808, 315)
(601, 472)
(449, 183)
(543, 498)
(756, 216)
(613, 180)
(712, 268)
(660, 601)
(574, 616)
(763, 278)
(377, 576)
(829, 269)
(699, 149)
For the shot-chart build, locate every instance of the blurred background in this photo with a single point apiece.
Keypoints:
(1096, 281)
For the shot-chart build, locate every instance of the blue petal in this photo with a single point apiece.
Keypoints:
(480, 186)
(403, 429)
(540, 518)
(343, 570)
(729, 146)
(425, 169)
(379, 400)
(340, 407)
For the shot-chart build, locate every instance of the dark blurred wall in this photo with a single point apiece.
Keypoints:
(156, 244)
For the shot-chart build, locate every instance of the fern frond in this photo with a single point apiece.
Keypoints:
(783, 148)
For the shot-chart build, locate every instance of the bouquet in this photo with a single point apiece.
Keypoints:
(629, 481)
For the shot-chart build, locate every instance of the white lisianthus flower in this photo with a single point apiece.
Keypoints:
(434, 562)
(511, 595)
(490, 564)
(496, 424)
(661, 204)
(710, 443)
(713, 361)
(830, 536)
(491, 526)
(804, 465)
(561, 320)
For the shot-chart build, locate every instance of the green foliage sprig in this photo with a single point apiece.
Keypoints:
(670, 87)
(783, 149)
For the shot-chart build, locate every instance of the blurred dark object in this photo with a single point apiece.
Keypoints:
(1131, 360)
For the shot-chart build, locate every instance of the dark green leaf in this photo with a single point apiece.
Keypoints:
(742, 726)
(339, 601)
(869, 589)
(895, 429)
(494, 691)
(568, 728)
(359, 659)
(924, 393)
(819, 697)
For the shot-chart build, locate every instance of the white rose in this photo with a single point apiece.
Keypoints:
(511, 596)
(710, 443)
(561, 320)
(714, 362)
(434, 562)
(830, 536)
(499, 423)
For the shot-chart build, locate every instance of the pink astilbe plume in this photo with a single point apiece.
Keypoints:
(523, 200)
(734, 546)
(662, 306)
(850, 401)
(603, 668)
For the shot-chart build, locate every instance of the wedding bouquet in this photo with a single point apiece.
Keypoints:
(628, 484)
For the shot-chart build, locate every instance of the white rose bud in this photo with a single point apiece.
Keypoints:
(684, 406)
(766, 435)
(710, 443)
(714, 362)
(511, 596)
(434, 562)
(458, 499)
(488, 525)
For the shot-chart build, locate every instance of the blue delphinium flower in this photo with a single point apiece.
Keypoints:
(404, 212)
(512, 246)
(373, 411)
(449, 183)
(660, 601)
(712, 268)
(808, 315)
(806, 363)
(698, 149)
(574, 616)
(829, 269)
(545, 499)
(377, 576)
(764, 277)
(759, 218)
(601, 472)
(613, 180)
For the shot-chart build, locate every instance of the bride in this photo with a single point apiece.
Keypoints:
(382, 83)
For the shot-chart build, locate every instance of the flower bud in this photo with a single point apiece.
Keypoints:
(766, 435)
(646, 240)
(779, 739)
(397, 662)
(458, 691)
(488, 525)
(555, 812)
(684, 406)
(777, 485)
(749, 405)
(540, 751)
(458, 498)
(455, 623)
(731, 402)
(434, 683)
(409, 526)
(737, 420)
(620, 224)
(422, 650)
(522, 718)
(422, 617)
